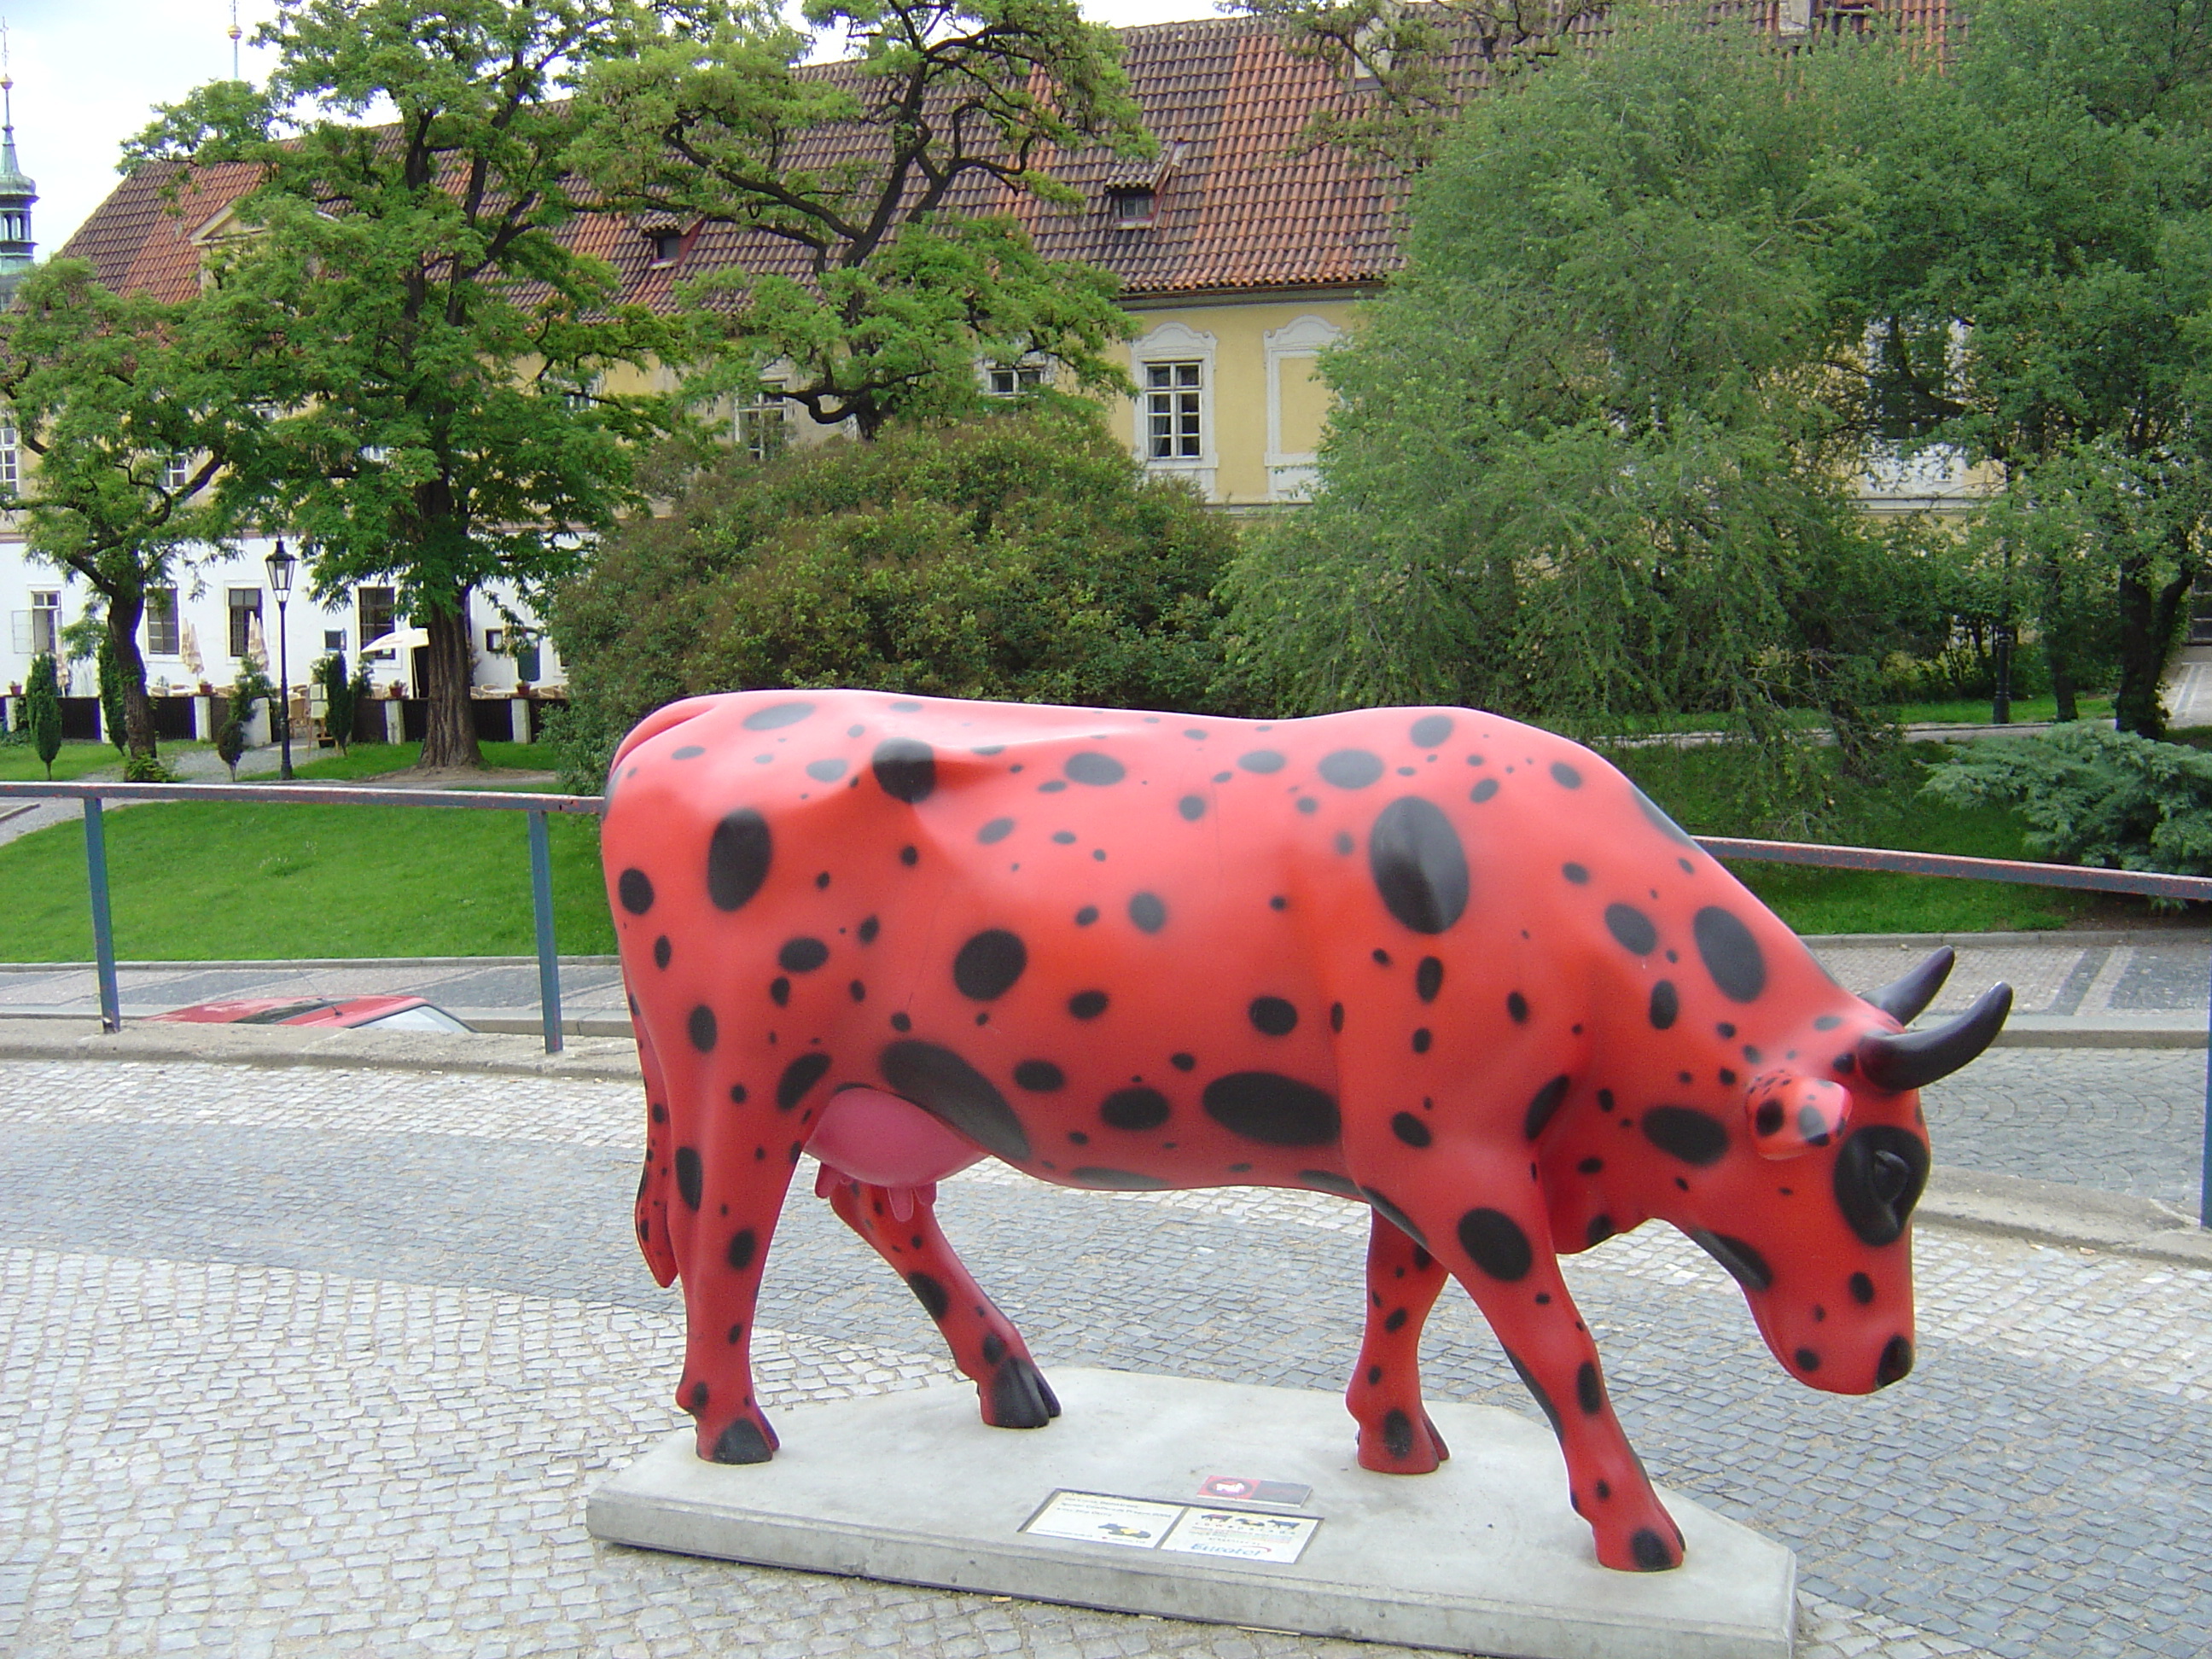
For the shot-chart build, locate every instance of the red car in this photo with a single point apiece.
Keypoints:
(357, 1013)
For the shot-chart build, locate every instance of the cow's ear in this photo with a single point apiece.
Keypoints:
(1791, 1114)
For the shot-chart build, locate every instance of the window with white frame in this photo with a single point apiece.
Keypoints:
(176, 472)
(11, 469)
(1017, 380)
(45, 623)
(1172, 411)
(162, 639)
(245, 611)
(763, 428)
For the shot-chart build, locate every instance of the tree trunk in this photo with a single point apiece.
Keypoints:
(2149, 620)
(125, 608)
(2062, 680)
(449, 728)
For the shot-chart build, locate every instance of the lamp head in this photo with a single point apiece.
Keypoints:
(281, 564)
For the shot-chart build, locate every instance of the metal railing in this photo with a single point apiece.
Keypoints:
(2150, 883)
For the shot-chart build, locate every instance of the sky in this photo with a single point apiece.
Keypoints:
(88, 73)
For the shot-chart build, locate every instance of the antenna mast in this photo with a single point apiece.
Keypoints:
(235, 32)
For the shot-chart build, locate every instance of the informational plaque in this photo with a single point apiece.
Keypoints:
(1092, 1517)
(1098, 1519)
(1241, 1535)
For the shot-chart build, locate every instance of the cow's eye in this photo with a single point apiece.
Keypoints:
(1889, 1176)
(1880, 1172)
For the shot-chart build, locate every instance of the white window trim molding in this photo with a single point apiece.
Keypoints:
(1291, 474)
(1173, 343)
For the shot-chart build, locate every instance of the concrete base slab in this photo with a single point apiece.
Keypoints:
(1483, 1556)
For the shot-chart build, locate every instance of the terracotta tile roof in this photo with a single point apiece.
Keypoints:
(1234, 208)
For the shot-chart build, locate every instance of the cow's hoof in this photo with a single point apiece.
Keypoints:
(1398, 1445)
(1020, 1398)
(744, 1441)
(1648, 1549)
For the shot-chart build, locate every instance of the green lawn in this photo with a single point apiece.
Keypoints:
(1688, 783)
(19, 763)
(211, 881)
(1975, 711)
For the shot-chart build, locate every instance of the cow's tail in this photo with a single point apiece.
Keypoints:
(659, 720)
(653, 1194)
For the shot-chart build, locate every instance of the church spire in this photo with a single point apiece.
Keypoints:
(17, 192)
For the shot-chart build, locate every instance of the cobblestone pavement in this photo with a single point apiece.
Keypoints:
(311, 1362)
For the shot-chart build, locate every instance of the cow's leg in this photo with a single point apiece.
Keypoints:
(900, 1225)
(1403, 1281)
(1489, 1229)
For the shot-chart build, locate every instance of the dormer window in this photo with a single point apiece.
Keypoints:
(1130, 206)
(666, 245)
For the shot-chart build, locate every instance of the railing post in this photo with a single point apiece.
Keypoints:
(549, 961)
(103, 927)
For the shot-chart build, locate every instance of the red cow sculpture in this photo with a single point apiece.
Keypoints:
(1455, 967)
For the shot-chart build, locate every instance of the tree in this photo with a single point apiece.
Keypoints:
(433, 349)
(2036, 265)
(1592, 456)
(1021, 556)
(42, 710)
(340, 697)
(130, 407)
(880, 194)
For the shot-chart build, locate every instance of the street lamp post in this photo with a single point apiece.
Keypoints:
(281, 565)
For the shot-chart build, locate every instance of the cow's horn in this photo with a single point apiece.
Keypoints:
(1912, 1059)
(1904, 999)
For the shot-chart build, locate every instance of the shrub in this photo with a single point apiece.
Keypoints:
(340, 694)
(42, 709)
(1021, 556)
(2092, 795)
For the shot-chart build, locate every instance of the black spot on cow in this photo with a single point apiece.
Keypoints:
(857, 991)
(1094, 768)
(1351, 768)
(1590, 1166)
(1861, 1289)
(1536, 1389)
(1483, 791)
(1067, 838)
(780, 990)
(1087, 1005)
(737, 857)
(1418, 866)
(1767, 1120)
(930, 1293)
(1396, 1320)
(688, 752)
(635, 888)
(1307, 804)
(1576, 873)
(690, 1177)
(777, 715)
(1895, 1365)
(1601, 1228)
(901, 1022)
(1148, 912)
(1262, 761)
(1396, 1217)
(1685, 1133)
(1731, 954)
(827, 770)
(1494, 1241)
(1666, 1004)
(1565, 775)
(1123, 1180)
(802, 954)
(1589, 1392)
(1632, 929)
(1398, 1433)
(948, 1088)
(1273, 1016)
(1193, 807)
(1039, 1077)
(1879, 1174)
(1807, 1360)
(1134, 1109)
(1329, 1181)
(1336, 1017)
(989, 964)
(1744, 1263)
(736, 1094)
(1431, 730)
(701, 1025)
(697, 1397)
(1266, 1107)
(662, 951)
(798, 1077)
(1827, 1023)
(1422, 1038)
(1429, 979)
(867, 930)
(997, 830)
(1183, 1062)
(1517, 1006)
(1343, 843)
(1411, 1130)
(905, 768)
(909, 856)
(742, 1247)
(1544, 1106)
(1086, 915)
